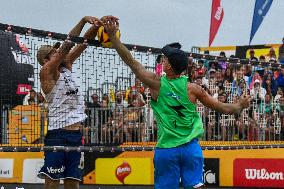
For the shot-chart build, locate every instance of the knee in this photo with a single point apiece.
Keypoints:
(51, 184)
(71, 184)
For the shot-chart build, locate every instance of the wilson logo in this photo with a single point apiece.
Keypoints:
(263, 174)
(259, 172)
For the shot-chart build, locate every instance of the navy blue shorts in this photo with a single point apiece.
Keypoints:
(63, 165)
(184, 163)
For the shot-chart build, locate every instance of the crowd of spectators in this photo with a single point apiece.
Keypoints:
(118, 116)
(225, 81)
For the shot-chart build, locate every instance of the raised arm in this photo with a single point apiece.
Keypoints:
(200, 94)
(90, 34)
(147, 77)
(57, 57)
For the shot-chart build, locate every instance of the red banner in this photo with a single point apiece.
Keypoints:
(217, 14)
(23, 89)
(259, 173)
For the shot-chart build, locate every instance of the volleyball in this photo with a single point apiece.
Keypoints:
(103, 37)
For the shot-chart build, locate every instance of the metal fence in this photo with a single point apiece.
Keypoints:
(118, 125)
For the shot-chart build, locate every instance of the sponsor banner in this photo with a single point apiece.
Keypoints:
(259, 172)
(20, 167)
(227, 158)
(263, 52)
(261, 8)
(136, 168)
(217, 14)
(124, 171)
(30, 170)
(23, 89)
(41, 186)
(211, 171)
(6, 168)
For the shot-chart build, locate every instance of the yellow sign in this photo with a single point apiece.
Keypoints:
(25, 124)
(124, 171)
(264, 52)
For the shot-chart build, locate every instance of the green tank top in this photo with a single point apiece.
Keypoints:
(177, 118)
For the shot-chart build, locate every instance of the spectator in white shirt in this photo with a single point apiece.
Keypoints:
(30, 98)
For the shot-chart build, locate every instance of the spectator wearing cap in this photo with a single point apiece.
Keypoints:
(281, 52)
(212, 73)
(255, 76)
(258, 92)
(252, 56)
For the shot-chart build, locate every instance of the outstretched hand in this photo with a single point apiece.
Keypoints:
(93, 20)
(245, 101)
(111, 25)
(104, 18)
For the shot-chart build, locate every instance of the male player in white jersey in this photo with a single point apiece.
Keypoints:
(65, 107)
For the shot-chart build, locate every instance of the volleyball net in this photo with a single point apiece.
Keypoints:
(118, 105)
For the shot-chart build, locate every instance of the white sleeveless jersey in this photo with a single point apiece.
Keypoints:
(65, 102)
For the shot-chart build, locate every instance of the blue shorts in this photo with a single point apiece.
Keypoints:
(63, 165)
(184, 162)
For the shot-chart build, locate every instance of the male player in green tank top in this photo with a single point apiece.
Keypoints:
(178, 154)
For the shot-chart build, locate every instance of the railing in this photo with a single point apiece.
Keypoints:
(4, 123)
(117, 125)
